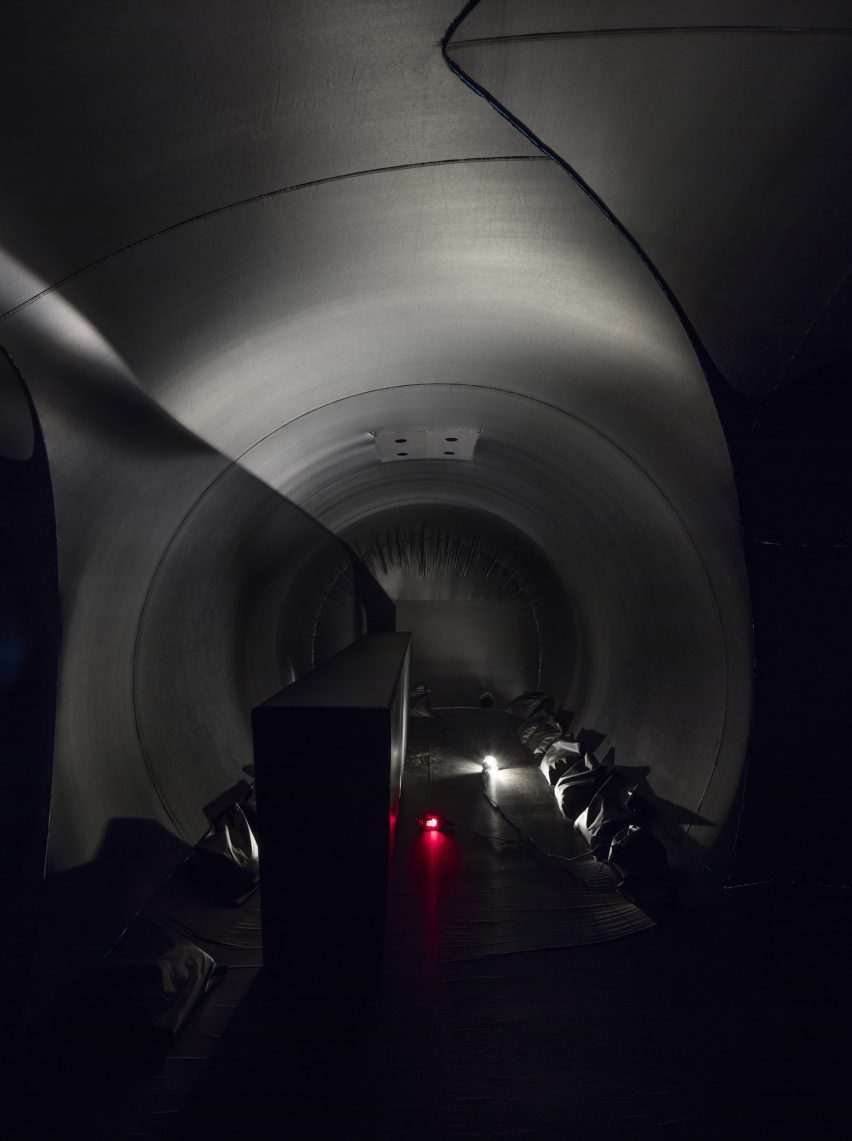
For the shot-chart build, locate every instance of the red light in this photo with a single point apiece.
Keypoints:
(430, 822)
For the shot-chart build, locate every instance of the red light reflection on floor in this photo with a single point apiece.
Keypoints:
(392, 819)
(434, 859)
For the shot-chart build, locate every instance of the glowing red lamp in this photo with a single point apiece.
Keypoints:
(429, 822)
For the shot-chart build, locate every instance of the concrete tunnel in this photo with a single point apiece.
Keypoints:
(499, 311)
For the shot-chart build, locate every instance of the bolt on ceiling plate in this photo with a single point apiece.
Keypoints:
(397, 444)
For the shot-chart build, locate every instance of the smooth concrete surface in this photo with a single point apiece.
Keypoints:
(717, 144)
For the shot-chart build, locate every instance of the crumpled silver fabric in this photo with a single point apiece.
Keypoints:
(228, 856)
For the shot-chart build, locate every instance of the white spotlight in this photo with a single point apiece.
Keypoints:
(489, 764)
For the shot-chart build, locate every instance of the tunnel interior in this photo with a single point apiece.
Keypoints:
(487, 614)
(524, 328)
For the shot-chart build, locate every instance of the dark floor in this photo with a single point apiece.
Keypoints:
(520, 998)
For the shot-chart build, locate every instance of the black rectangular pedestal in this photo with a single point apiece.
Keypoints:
(329, 751)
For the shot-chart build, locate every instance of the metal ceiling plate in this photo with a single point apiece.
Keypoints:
(437, 443)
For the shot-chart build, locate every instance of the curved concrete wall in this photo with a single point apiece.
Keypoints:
(224, 278)
(174, 565)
